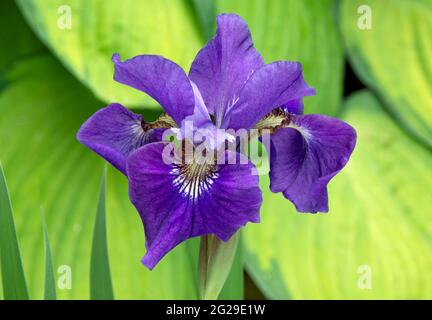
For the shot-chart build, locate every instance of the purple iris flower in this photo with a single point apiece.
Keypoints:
(228, 87)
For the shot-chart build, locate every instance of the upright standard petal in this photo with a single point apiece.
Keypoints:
(177, 202)
(161, 79)
(306, 155)
(114, 132)
(222, 67)
(199, 127)
(200, 117)
(273, 85)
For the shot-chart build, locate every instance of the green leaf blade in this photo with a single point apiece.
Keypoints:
(50, 284)
(100, 274)
(14, 283)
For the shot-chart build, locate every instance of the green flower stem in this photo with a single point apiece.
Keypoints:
(203, 264)
(215, 262)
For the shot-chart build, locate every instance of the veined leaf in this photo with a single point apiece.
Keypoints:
(13, 279)
(393, 56)
(41, 110)
(303, 31)
(50, 285)
(100, 274)
(85, 34)
(375, 243)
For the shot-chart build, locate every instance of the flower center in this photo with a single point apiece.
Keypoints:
(192, 180)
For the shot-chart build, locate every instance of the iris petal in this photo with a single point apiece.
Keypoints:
(305, 156)
(222, 67)
(269, 87)
(114, 132)
(161, 79)
(294, 106)
(177, 203)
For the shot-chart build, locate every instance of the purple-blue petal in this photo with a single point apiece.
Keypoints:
(199, 127)
(222, 67)
(200, 117)
(173, 211)
(161, 79)
(304, 157)
(114, 132)
(294, 106)
(269, 87)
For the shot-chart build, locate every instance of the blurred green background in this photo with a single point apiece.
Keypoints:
(56, 70)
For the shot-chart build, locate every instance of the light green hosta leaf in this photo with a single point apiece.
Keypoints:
(302, 31)
(100, 28)
(394, 56)
(41, 110)
(379, 223)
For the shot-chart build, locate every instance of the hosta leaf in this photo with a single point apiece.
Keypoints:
(393, 57)
(18, 40)
(379, 223)
(303, 31)
(41, 110)
(12, 273)
(100, 274)
(100, 28)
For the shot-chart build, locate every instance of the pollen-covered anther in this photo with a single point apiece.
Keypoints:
(164, 121)
(192, 180)
(274, 120)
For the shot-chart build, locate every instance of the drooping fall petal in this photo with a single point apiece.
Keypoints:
(306, 155)
(114, 132)
(177, 202)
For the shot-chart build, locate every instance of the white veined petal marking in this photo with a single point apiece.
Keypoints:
(192, 180)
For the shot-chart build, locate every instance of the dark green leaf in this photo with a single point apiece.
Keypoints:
(50, 285)
(18, 41)
(206, 12)
(100, 274)
(14, 283)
